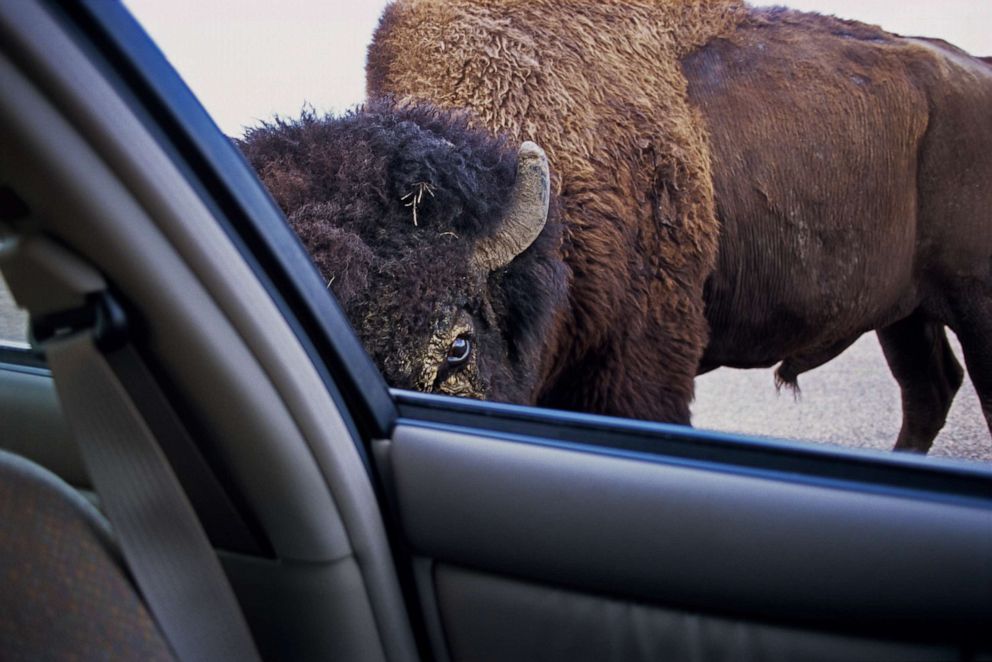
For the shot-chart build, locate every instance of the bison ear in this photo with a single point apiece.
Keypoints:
(526, 215)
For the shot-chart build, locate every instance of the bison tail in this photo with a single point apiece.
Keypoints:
(786, 375)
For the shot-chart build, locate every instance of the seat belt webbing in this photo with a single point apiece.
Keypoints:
(166, 549)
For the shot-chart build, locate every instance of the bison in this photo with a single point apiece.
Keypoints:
(729, 186)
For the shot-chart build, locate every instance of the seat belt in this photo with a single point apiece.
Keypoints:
(161, 539)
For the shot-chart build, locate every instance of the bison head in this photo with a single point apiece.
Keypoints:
(441, 241)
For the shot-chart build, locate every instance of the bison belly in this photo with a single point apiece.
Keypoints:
(815, 140)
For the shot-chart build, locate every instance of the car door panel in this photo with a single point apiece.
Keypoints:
(693, 540)
(489, 617)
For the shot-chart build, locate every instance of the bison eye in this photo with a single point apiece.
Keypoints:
(459, 351)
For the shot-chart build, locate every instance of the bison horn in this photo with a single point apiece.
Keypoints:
(527, 214)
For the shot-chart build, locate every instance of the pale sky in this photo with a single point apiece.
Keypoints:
(249, 59)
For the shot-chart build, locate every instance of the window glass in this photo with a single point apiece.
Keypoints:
(851, 401)
(811, 149)
(13, 320)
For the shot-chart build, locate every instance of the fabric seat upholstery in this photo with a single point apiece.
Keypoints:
(66, 593)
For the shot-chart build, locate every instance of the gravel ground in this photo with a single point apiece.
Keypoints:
(851, 401)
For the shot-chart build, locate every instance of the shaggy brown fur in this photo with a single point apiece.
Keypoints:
(598, 85)
(347, 184)
(851, 172)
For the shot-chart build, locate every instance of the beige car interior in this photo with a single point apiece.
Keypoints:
(102, 186)
(518, 547)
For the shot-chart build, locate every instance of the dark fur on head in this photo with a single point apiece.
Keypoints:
(349, 185)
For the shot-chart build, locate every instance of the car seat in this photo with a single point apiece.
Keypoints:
(66, 592)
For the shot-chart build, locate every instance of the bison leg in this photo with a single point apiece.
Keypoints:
(647, 374)
(923, 364)
(973, 325)
(625, 387)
